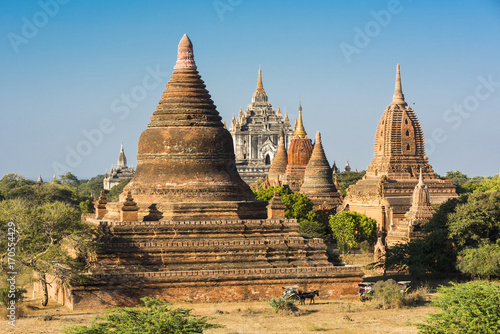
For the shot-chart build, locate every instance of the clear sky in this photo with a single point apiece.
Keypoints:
(78, 77)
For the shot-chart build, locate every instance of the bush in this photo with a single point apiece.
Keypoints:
(281, 305)
(472, 307)
(4, 296)
(387, 294)
(155, 317)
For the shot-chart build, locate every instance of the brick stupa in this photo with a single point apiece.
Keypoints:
(385, 192)
(279, 163)
(318, 183)
(188, 227)
(299, 153)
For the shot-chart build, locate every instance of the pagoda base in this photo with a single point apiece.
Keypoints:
(206, 286)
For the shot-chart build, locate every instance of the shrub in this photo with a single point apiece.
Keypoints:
(4, 296)
(472, 307)
(281, 305)
(387, 294)
(157, 316)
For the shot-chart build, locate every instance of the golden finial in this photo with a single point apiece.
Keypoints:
(259, 83)
(299, 129)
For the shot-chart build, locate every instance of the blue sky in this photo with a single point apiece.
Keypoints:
(78, 77)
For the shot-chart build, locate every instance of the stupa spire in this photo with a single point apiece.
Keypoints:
(260, 87)
(398, 97)
(122, 159)
(185, 55)
(260, 95)
(299, 129)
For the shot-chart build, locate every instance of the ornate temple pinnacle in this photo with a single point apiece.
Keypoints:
(260, 87)
(398, 97)
(185, 55)
(299, 129)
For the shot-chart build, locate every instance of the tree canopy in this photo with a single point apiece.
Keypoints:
(352, 228)
(298, 206)
(347, 178)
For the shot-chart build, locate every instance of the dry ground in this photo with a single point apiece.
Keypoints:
(329, 316)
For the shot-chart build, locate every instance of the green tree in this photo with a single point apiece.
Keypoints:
(298, 206)
(44, 236)
(115, 192)
(351, 228)
(157, 316)
(475, 221)
(488, 185)
(69, 179)
(92, 186)
(483, 261)
(472, 307)
(345, 179)
(268, 193)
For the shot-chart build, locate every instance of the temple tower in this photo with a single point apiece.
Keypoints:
(384, 193)
(318, 184)
(255, 135)
(299, 153)
(279, 163)
(121, 172)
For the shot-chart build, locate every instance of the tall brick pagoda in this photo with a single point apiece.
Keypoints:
(188, 227)
(299, 153)
(318, 183)
(385, 192)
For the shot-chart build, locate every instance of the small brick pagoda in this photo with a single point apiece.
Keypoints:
(279, 163)
(188, 227)
(385, 192)
(318, 183)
